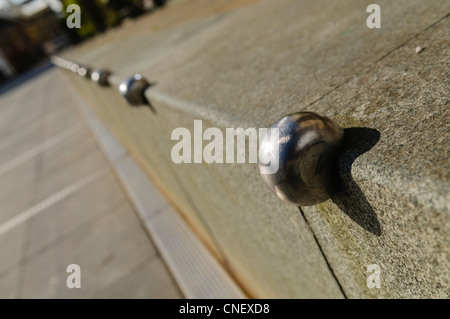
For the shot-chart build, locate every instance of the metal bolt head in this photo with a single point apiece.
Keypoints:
(101, 77)
(307, 161)
(84, 71)
(133, 88)
(73, 67)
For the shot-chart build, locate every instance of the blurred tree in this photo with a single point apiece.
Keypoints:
(88, 27)
(126, 8)
(94, 9)
(159, 3)
(96, 17)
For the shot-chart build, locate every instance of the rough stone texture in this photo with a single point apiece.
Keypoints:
(253, 65)
(394, 209)
(250, 67)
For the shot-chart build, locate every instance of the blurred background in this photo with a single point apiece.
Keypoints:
(33, 30)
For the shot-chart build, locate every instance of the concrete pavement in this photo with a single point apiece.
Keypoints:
(61, 204)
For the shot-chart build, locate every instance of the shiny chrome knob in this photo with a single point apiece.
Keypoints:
(73, 67)
(101, 77)
(133, 88)
(305, 152)
(84, 71)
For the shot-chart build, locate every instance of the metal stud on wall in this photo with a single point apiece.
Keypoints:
(133, 88)
(305, 151)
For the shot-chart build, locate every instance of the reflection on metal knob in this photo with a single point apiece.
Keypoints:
(132, 89)
(84, 71)
(101, 77)
(307, 163)
(73, 67)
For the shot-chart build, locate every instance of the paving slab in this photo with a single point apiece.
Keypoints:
(49, 219)
(75, 212)
(16, 190)
(106, 250)
(12, 246)
(49, 171)
(62, 166)
(8, 284)
(158, 286)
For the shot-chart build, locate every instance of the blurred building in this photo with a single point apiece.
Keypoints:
(32, 30)
(28, 33)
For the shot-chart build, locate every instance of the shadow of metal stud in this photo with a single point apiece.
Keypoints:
(133, 88)
(299, 163)
(101, 77)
